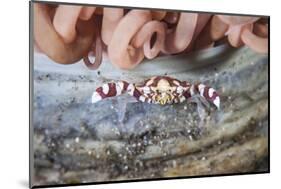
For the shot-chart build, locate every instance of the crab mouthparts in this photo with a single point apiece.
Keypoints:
(164, 99)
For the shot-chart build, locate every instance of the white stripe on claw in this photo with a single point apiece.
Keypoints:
(192, 90)
(217, 102)
(130, 89)
(119, 87)
(105, 89)
(96, 97)
(211, 92)
(201, 88)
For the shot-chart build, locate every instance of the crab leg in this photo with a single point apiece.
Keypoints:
(109, 90)
(204, 91)
(133, 91)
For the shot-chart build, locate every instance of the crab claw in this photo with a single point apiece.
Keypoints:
(216, 102)
(96, 97)
(207, 93)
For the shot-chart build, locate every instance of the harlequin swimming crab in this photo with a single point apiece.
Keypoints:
(158, 90)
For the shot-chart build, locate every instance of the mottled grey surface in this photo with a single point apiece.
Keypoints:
(118, 139)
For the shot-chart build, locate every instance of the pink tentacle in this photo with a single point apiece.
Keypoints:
(120, 52)
(218, 28)
(158, 15)
(171, 17)
(111, 18)
(86, 13)
(144, 38)
(180, 38)
(204, 39)
(98, 54)
(237, 20)
(255, 42)
(234, 34)
(261, 30)
(67, 28)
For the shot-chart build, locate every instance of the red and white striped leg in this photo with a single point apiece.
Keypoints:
(133, 91)
(109, 90)
(206, 92)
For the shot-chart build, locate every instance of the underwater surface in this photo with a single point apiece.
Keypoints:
(75, 141)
